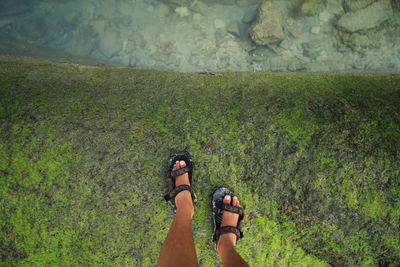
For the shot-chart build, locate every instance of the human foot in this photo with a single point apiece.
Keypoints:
(228, 241)
(183, 200)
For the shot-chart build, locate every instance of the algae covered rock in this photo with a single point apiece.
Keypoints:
(247, 2)
(366, 18)
(354, 5)
(233, 28)
(268, 28)
(179, 2)
(248, 17)
(311, 7)
(233, 2)
(182, 11)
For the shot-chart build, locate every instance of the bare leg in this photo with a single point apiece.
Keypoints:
(178, 249)
(226, 242)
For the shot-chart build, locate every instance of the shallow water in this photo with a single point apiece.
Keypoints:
(194, 35)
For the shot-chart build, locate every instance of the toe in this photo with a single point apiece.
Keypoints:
(176, 166)
(235, 201)
(227, 199)
(182, 163)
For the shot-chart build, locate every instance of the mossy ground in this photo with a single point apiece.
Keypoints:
(314, 159)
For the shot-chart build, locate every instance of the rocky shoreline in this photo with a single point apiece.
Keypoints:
(224, 35)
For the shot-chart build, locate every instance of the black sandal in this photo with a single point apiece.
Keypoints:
(171, 175)
(218, 206)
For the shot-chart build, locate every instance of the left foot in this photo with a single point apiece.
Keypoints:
(183, 200)
(228, 241)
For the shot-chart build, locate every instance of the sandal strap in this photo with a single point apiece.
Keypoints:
(171, 195)
(180, 171)
(227, 230)
(230, 208)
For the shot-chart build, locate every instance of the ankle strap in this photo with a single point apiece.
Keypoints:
(227, 230)
(171, 195)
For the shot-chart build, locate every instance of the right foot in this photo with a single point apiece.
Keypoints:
(183, 200)
(228, 219)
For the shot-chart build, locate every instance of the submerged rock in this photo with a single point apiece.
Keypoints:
(268, 28)
(356, 40)
(6, 21)
(249, 17)
(85, 42)
(247, 2)
(71, 19)
(233, 2)
(311, 7)
(99, 25)
(223, 2)
(219, 24)
(354, 5)
(233, 28)
(327, 66)
(110, 43)
(366, 18)
(200, 7)
(182, 11)
(179, 2)
(260, 54)
(35, 30)
(14, 7)
(162, 9)
(124, 7)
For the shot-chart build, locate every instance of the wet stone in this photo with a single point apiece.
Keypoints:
(316, 30)
(268, 27)
(247, 2)
(311, 7)
(200, 7)
(367, 18)
(249, 17)
(233, 28)
(260, 54)
(162, 9)
(179, 2)
(353, 5)
(182, 11)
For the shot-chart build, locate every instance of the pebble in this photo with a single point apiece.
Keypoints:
(233, 28)
(325, 16)
(316, 30)
(182, 11)
(218, 23)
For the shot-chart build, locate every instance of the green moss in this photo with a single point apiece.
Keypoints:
(314, 158)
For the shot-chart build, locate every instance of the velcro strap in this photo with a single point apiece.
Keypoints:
(180, 171)
(171, 195)
(233, 209)
(227, 230)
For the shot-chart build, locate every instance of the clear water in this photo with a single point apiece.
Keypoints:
(196, 35)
